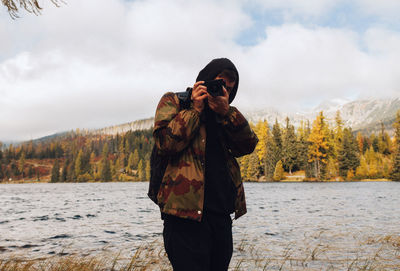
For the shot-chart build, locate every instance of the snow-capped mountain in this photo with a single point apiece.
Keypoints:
(361, 115)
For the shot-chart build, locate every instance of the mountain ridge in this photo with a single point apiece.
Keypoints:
(364, 116)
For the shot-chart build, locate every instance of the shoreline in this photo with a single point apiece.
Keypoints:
(282, 181)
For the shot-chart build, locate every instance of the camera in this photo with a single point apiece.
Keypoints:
(214, 87)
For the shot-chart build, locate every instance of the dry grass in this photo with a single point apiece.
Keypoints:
(375, 253)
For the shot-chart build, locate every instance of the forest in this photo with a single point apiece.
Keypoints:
(317, 151)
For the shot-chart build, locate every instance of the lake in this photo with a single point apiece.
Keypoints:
(329, 222)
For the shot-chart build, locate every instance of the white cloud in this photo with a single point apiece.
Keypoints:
(99, 62)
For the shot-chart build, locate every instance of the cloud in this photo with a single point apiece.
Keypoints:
(95, 63)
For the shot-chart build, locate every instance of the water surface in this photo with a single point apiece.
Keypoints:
(86, 218)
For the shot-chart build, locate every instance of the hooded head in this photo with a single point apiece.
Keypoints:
(214, 68)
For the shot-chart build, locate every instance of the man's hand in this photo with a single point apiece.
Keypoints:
(199, 93)
(219, 104)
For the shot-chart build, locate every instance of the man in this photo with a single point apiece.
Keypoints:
(202, 186)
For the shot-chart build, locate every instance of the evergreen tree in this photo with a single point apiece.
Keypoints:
(395, 174)
(105, 165)
(374, 142)
(21, 163)
(147, 170)
(78, 164)
(71, 172)
(269, 161)
(289, 147)
(384, 143)
(302, 148)
(130, 162)
(55, 172)
(135, 159)
(141, 171)
(348, 153)
(2, 175)
(277, 142)
(274, 151)
(63, 177)
(252, 167)
(106, 170)
(338, 133)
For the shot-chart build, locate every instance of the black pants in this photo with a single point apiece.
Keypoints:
(192, 245)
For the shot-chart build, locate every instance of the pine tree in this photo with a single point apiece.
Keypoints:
(105, 165)
(117, 168)
(274, 151)
(348, 153)
(78, 164)
(147, 170)
(277, 142)
(252, 167)
(106, 170)
(63, 177)
(135, 159)
(360, 143)
(55, 172)
(279, 172)
(130, 162)
(269, 161)
(141, 170)
(2, 175)
(302, 148)
(21, 163)
(289, 147)
(395, 174)
(318, 149)
(121, 153)
(338, 133)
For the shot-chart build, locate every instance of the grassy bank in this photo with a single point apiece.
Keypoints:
(384, 254)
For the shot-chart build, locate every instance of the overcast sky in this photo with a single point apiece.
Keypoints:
(95, 63)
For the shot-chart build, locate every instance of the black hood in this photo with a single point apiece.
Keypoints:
(215, 67)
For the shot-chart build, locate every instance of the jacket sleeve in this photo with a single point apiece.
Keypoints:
(240, 138)
(174, 128)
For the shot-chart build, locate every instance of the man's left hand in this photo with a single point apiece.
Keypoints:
(219, 104)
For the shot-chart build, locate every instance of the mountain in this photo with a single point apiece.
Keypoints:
(143, 124)
(361, 115)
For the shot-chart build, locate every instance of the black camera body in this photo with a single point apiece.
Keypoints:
(214, 87)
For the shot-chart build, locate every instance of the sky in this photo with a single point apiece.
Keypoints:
(95, 63)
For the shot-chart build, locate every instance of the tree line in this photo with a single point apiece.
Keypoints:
(78, 157)
(322, 151)
(319, 151)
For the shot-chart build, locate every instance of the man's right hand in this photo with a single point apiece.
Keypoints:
(199, 93)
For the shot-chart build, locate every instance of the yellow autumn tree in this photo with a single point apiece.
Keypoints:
(318, 149)
(262, 132)
(279, 171)
(362, 169)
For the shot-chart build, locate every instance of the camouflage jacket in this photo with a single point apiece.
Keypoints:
(182, 136)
